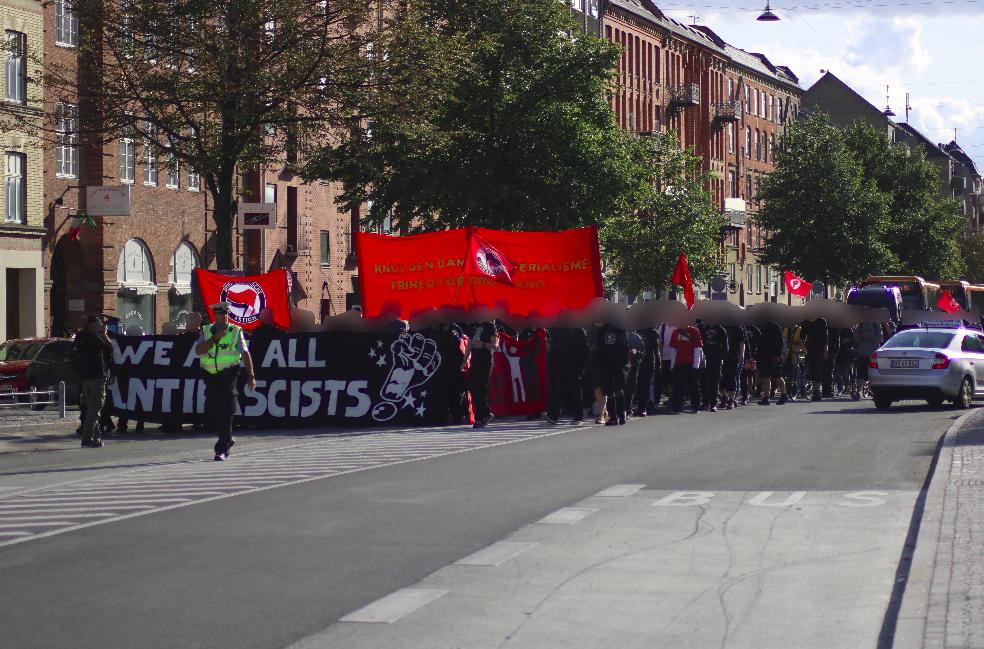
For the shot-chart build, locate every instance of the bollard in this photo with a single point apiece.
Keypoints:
(61, 399)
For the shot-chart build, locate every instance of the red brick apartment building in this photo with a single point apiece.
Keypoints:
(139, 267)
(730, 105)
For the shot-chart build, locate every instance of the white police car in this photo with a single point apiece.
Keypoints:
(936, 361)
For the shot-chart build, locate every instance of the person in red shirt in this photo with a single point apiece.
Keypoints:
(686, 341)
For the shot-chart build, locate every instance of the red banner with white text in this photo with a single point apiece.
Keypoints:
(525, 273)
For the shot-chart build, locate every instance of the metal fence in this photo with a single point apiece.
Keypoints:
(36, 398)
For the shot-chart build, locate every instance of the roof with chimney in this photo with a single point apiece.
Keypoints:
(958, 153)
(705, 37)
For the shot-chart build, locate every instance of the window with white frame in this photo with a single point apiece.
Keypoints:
(16, 188)
(150, 154)
(128, 162)
(66, 24)
(731, 138)
(173, 172)
(16, 66)
(67, 140)
(194, 180)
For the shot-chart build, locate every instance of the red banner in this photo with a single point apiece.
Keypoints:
(247, 296)
(518, 385)
(525, 273)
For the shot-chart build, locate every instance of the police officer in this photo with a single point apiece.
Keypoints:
(221, 346)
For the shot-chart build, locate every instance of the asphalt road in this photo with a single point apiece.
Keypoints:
(271, 567)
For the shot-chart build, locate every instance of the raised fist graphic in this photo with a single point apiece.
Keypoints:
(415, 361)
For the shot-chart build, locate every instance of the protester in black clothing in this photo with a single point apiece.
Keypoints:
(715, 352)
(636, 348)
(734, 364)
(770, 352)
(646, 393)
(93, 359)
(750, 368)
(567, 358)
(845, 361)
(830, 361)
(815, 335)
(482, 341)
(611, 357)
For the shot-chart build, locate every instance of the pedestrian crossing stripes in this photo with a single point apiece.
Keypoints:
(65, 507)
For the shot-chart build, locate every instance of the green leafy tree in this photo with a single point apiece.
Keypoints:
(972, 255)
(507, 126)
(925, 231)
(827, 221)
(676, 215)
(218, 86)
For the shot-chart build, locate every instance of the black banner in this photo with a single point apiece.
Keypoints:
(302, 379)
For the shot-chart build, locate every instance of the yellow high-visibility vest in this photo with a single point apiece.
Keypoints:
(225, 353)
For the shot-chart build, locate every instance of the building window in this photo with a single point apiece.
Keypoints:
(732, 187)
(173, 172)
(128, 162)
(16, 188)
(748, 189)
(16, 67)
(66, 24)
(270, 193)
(137, 294)
(181, 298)
(748, 103)
(66, 141)
(772, 108)
(731, 138)
(758, 146)
(781, 117)
(748, 142)
(325, 249)
(150, 155)
(194, 180)
(748, 278)
(758, 278)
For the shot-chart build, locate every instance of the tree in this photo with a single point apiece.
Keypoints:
(676, 215)
(826, 219)
(925, 231)
(509, 126)
(972, 255)
(219, 86)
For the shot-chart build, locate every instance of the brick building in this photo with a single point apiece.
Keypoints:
(139, 267)
(22, 228)
(958, 175)
(731, 106)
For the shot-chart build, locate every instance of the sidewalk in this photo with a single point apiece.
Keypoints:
(24, 430)
(943, 605)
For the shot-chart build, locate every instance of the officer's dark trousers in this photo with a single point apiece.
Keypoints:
(478, 383)
(221, 392)
(644, 384)
(684, 380)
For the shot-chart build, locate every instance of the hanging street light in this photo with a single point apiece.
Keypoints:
(767, 15)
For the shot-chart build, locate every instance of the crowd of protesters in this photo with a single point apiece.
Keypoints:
(601, 372)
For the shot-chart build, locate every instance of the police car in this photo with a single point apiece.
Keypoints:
(936, 361)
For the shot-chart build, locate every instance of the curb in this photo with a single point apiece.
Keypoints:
(921, 619)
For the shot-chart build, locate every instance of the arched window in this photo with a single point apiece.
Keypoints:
(137, 294)
(181, 298)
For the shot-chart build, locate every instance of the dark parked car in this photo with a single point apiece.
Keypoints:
(15, 356)
(53, 363)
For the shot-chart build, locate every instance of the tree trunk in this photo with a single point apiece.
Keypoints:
(224, 215)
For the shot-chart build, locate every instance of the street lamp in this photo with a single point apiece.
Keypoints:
(767, 15)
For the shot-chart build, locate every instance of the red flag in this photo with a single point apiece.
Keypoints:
(947, 303)
(247, 296)
(798, 286)
(485, 260)
(681, 277)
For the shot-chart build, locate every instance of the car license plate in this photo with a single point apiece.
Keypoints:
(904, 364)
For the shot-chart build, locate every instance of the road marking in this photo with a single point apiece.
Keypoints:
(43, 517)
(15, 534)
(253, 472)
(394, 606)
(496, 554)
(566, 516)
(620, 491)
(45, 524)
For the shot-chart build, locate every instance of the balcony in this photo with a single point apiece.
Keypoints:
(685, 96)
(729, 111)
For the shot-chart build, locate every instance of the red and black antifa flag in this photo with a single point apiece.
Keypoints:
(247, 296)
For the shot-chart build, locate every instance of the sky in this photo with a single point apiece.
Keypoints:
(925, 48)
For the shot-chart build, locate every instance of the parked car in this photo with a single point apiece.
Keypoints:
(51, 364)
(15, 357)
(937, 362)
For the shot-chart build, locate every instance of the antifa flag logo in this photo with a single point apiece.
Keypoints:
(246, 300)
(489, 263)
(795, 283)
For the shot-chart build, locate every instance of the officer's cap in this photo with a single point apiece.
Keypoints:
(220, 307)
